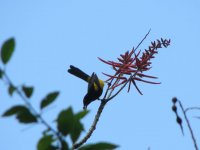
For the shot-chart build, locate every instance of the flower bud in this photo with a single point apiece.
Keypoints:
(174, 108)
(174, 100)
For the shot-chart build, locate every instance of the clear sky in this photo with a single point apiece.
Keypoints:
(51, 35)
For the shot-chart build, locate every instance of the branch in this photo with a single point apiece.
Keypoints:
(111, 97)
(192, 108)
(28, 104)
(189, 126)
(93, 126)
(133, 75)
(142, 39)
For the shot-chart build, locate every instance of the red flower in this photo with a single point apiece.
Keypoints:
(129, 67)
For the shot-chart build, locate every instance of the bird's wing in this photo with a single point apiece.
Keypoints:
(93, 80)
(96, 81)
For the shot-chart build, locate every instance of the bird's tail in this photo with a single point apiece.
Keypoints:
(78, 73)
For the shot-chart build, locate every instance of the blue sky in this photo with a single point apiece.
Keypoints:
(51, 35)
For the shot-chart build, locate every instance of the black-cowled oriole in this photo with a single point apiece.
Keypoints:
(95, 85)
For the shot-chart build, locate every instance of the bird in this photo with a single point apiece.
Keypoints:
(95, 85)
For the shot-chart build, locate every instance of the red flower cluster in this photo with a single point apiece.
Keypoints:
(130, 67)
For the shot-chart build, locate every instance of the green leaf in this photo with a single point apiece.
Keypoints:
(76, 130)
(28, 90)
(99, 146)
(45, 143)
(26, 117)
(68, 123)
(22, 114)
(78, 126)
(64, 146)
(51, 97)
(7, 50)
(14, 110)
(82, 114)
(11, 90)
(65, 121)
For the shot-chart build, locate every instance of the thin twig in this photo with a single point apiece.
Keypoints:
(142, 39)
(28, 104)
(189, 126)
(192, 108)
(93, 126)
(111, 97)
(111, 91)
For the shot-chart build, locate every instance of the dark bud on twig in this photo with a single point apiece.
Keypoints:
(174, 100)
(109, 84)
(174, 108)
(179, 121)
